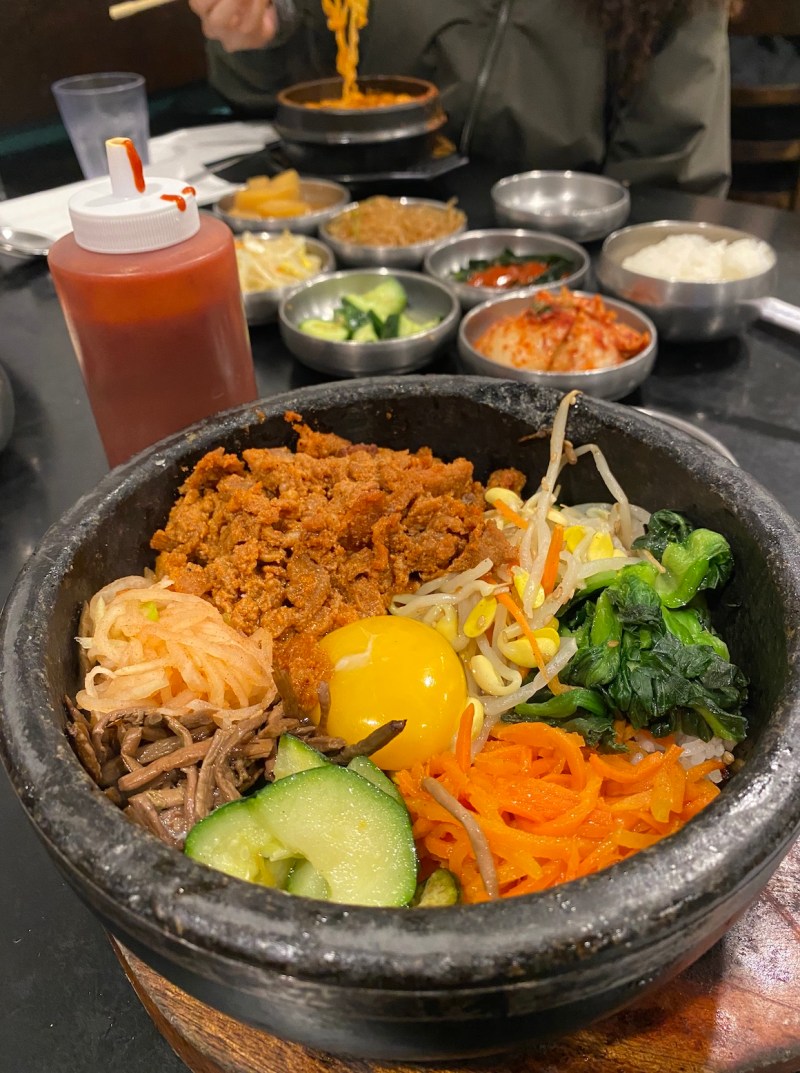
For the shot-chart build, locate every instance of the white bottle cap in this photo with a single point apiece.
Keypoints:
(132, 214)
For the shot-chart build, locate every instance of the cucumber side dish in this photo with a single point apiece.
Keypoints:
(372, 317)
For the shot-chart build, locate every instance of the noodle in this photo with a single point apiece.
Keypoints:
(386, 221)
(346, 20)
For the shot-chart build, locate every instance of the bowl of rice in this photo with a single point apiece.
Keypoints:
(696, 281)
(396, 232)
(403, 984)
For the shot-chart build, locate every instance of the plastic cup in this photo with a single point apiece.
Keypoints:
(99, 106)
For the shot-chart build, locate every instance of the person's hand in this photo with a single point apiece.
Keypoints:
(237, 24)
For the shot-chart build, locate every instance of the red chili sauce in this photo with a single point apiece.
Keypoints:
(505, 277)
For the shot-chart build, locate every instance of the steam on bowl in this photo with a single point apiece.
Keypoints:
(419, 984)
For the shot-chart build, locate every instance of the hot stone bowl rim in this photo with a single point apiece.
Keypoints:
(605, 918)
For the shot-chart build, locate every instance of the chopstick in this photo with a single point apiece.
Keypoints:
(133, 7)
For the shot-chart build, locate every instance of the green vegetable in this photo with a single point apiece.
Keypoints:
(370, 317)
(319, 829)
(702, 561)
(355, 836)
(365, 333)
(233, 841)
(304, 879)
(408, 326)
(582, 711)
(387, 298)
(687, 625)
(325, 329)
(440, 888)
(661, 668)
(367, 769)
(665, 527)
(694, 559)
(295, 755)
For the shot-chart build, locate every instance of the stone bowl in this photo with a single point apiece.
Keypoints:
(433, 984)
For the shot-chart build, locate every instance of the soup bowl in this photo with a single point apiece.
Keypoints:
(416, 984)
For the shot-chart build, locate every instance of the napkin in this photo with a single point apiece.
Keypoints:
(181, 154)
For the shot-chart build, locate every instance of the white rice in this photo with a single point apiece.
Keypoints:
(694, 259)
(693, 751)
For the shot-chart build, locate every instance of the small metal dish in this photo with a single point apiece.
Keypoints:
(427, 298)
(684, 311)
(452, 254)
(577, 204)
(613, 383)
(261, 307)
(357, 255)
(325, 197)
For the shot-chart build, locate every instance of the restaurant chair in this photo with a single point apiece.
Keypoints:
(765, 145)
(765, 102)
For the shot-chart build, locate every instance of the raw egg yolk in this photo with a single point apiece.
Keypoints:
(387, 668)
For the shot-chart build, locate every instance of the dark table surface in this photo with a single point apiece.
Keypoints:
(64, 1002)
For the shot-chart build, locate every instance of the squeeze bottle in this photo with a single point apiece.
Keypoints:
(150, 293)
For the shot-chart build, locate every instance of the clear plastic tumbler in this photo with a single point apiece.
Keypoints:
(95, 107)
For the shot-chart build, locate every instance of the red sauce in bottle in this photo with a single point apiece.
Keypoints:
(160, 337)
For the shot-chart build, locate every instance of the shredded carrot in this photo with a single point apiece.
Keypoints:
(517, 614)
(551, 808)
(463, 748)
(550, 571)
(510, 514)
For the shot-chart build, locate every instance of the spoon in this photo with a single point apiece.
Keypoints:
(25, 244)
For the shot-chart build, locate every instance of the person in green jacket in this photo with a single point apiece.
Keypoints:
(637, 89)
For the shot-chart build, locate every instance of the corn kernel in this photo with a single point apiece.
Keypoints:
(480, 617)
(520, 581)
(600, 547)
(488, 679)
(511, 499)
(573, 536)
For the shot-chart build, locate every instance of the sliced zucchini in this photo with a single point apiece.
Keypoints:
(233, 840)
(295, 755)
(305, 879)
(368, 769)
(355, 836)
(440, 888)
